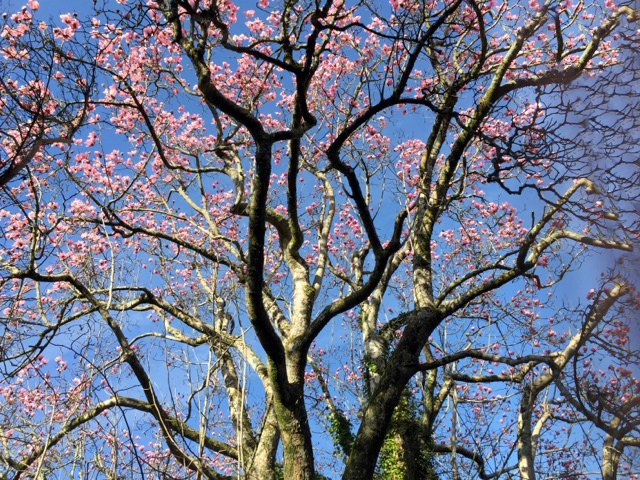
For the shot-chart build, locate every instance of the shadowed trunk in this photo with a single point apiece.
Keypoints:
(377, 417)
(294, 424)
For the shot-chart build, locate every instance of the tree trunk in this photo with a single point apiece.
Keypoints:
(293, 422)
(373, 429)
(377, 416)
(610, 458)
(262, 465)
(525, 447)
(374, 347)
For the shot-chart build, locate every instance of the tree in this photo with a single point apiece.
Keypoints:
(34, 117)
(231, 201)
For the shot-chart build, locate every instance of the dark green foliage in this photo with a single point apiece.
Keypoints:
(340, 430)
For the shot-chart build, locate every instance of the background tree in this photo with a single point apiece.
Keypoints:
(243, 199)
(44, 98)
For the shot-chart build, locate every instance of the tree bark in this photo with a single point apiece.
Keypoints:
(377, 417)
(610, 458)
(525, 447)
(262, 465)
(292, 418)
